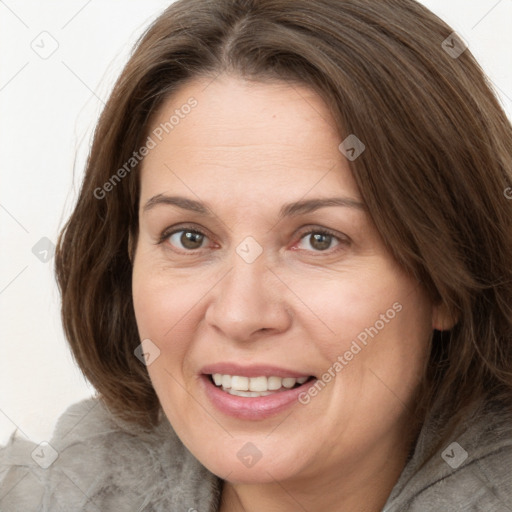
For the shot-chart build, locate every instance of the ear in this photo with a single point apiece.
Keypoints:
(442, 318)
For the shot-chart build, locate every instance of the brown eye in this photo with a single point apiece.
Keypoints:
(319, 240)
(186, 239)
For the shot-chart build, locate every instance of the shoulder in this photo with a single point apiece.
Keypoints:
(95, 457)
(471, 473)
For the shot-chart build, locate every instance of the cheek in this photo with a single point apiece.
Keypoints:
(169, 308)
(163, 312)
(361, 305)
(162, 303)
(158, 307)
(380, 326)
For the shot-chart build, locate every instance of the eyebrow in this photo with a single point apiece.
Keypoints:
(287, 210)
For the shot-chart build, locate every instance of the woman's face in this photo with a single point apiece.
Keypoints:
(256, 262)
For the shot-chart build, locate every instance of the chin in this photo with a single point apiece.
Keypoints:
(250, 460)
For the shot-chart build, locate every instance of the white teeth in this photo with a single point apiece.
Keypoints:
(226, 381)
(241, 383)
(248, 393)
(274, 383)
(258, 384)
(254, 386)
(289, 382)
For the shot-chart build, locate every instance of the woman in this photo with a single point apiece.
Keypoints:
(288, 272)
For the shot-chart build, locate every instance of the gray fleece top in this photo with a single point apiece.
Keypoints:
(96, 462)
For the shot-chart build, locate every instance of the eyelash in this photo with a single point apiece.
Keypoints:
(343, 240)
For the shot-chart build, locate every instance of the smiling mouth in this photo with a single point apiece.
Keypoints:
(253, 387)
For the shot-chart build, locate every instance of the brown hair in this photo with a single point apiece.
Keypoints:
(438, 159)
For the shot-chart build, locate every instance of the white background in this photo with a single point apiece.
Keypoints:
(48, 110)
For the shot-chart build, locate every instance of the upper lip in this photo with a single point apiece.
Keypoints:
(258, 370)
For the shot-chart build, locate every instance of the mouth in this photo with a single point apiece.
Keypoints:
(254, 393)
(254, 387)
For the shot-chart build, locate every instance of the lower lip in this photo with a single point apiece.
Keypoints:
(253, 408)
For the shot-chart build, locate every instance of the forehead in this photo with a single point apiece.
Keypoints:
(233, 134)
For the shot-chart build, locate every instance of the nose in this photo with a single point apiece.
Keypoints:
(248, 302)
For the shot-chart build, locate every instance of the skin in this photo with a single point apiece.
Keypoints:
(246, 149)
